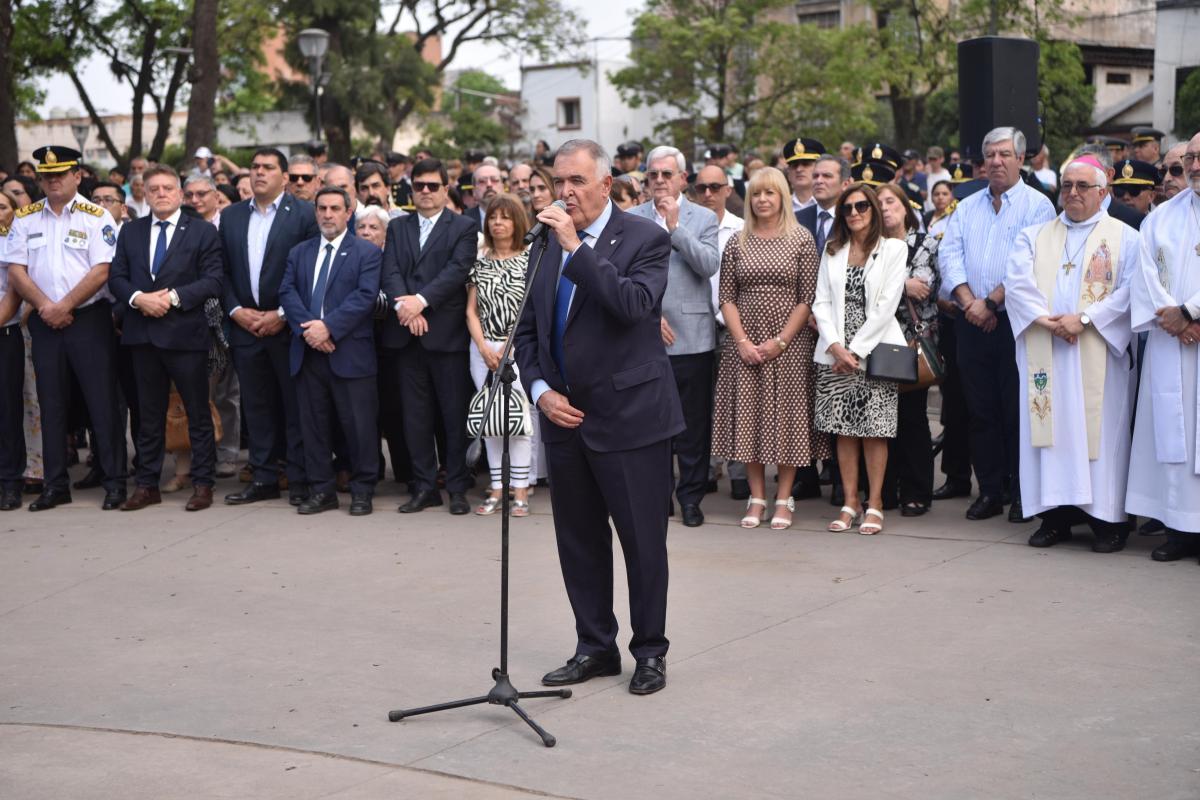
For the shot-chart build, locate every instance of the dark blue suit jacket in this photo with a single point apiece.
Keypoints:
(350, 292)
(295, 221)
(438, 273)
(807, 217)
(192, 267)
(620, 375)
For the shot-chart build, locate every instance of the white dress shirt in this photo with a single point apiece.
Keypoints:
(172, 225)
(337, 245)
(257, 231)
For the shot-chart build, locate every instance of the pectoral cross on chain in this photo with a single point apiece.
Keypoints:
(1067, 267)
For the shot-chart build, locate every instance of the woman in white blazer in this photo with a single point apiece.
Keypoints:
(859, 287)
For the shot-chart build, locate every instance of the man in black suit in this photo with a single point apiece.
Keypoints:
(257, 236)
(591, 356)
(329, 294)
(425, 264)
(166, 267)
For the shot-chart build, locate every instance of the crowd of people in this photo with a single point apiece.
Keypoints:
(315, 313)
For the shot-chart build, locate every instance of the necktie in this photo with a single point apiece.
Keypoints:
(822, 218)
(160, 249)
(426, 227)
(562, 305)
(317, 306)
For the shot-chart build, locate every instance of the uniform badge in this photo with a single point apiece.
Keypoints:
(110, 236)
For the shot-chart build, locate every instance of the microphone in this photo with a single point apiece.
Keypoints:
(541, 229)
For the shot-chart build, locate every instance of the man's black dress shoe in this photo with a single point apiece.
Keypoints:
(421, 501)
(93, 479)
(113, 499)
(951, 489)
(50, 498)
(1151, 527)
(360, 505)
(1047, 536)
(298, 493)
(316, 503)
(459, 504)
(693, 517)
(649, 676)
(253, 493)
(1109, 541)
(913, 509)
(1015, 514)
(1176, 546)
(739, 489)
(10, 499)
(580, 668)
(985, 506)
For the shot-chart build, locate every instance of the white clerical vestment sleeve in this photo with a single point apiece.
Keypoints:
(1023, 300)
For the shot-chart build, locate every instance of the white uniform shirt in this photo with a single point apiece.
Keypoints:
(729, 225)
(59, 250)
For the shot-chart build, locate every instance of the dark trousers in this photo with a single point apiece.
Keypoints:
(86, 349)
(12, 407)
(129, 408)
(431, 381)
(329, 403)
(988, 365)
(634, 488)
(156, 370)
(391, 413)
(272, 412)
(956, 447)
(693, 379)
(910, 455)
(1063, 517)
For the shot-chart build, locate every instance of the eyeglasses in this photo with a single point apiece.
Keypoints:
(1080, 186)
(710, 188)
(427, 186)
(1175, 170)
(1190, 158)
(301, 178)
(197, 195)
(107, 200)
(861, 207)
(655, 174)
(1132, 191)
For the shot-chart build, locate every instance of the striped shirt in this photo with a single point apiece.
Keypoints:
(979, 240)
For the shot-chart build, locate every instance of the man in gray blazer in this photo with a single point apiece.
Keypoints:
(689, 328)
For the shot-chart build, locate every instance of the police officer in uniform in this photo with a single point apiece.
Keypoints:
(58, 252)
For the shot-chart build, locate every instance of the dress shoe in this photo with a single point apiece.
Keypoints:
(93, 479)
(252, 494)
(913, 509)
(115, 498)
(10, 499)
(142, 496)
(649, 676)
(1151, 527)
(459, 504)
(1048, 536)
(50, 498)
(360, 505)
(580, 668)
(298, 493)
(693, 517)
(1176, 546)
(421, 501)
(201, 498)
(1109, 541)
(739, 489)
(316, 503)
(985, 506)
(1015, 514)
(951, 489)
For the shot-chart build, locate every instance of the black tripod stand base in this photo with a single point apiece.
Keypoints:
(502, 694)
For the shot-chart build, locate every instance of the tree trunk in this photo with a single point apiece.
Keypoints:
(101, 128)
(163, 128)
(141, 89)
(205, 78)
(8, 111)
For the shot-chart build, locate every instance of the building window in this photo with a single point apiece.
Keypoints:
(568, 113)
(821, 13)
(1118, 77)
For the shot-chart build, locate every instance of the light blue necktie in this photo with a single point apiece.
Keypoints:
(426, 227)
(160, 249)
(316, 307)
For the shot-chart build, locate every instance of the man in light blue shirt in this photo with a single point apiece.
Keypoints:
(973, 257)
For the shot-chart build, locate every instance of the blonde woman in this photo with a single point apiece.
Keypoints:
(764, 396)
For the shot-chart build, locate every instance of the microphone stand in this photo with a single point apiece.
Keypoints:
(503, 693)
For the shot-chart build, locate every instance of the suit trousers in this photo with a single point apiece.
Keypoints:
(391, 412)
(693, 379)
(956, 447)
(432, 381)
(129, 406)
(87, 350)
(226, 396)
(272, 411)
(633, 487)
(988, 365)
(12, 407)
(156, 369)
(910, 455)
(329, 403)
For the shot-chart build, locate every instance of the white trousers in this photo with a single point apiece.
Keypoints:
(519, 447)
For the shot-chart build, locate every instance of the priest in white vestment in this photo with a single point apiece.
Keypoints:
(1164, 472)
(1067, 294)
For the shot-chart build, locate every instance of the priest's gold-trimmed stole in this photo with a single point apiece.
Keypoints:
(1102, 256)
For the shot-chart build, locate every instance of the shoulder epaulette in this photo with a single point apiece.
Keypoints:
(32, 208)
(88, 208)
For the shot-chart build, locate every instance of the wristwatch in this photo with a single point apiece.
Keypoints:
(992, 305)
(782, 344)
(174, 295)
(1085, 320)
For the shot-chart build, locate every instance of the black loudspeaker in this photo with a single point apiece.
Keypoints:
(997, 86)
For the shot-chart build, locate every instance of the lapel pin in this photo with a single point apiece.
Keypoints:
(614, 241)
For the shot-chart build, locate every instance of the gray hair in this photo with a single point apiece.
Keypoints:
(1100, 175)
(666, 151)
(843, 165)
(301, 158)
(193, 178)
(593, 149)
(1006, 134)
(1099, 151)
(378, 212)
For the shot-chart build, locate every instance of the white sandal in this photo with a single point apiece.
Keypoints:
(871, 528)
(779, 523)
(754, 520)
(839, 525)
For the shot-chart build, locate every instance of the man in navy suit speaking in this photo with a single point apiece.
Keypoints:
(591, 356)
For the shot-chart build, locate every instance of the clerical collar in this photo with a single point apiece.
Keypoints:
(1092, 220)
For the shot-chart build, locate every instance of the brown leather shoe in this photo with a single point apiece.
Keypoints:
(201, 498)
(142, 496)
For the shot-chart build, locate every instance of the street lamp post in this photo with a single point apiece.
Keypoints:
(313, 43)
(81, 131)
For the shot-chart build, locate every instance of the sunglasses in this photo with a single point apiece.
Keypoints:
(197, 195)
(655, 174)
(862, 207)
(1175, 170)
(710, 188)
(1131, 191)
(302, 178)
(427, 186)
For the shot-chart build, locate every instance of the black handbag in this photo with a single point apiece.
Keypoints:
(892, 362)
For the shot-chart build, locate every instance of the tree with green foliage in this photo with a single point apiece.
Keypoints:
(472, 119)
(1067, 99)
(1187, 106)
